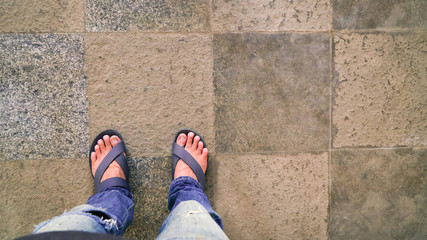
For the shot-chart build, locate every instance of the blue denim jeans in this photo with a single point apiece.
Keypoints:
(111, 211)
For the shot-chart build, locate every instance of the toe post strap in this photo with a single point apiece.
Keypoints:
(179, 152)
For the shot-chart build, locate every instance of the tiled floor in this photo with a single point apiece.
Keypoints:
(314, 111)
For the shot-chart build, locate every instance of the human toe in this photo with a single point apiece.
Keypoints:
(97, 150)
(190, 137)
(107, 142)
(101, 145)
(182, 139)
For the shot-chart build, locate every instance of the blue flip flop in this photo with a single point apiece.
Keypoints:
(179, 152)
(116, 154)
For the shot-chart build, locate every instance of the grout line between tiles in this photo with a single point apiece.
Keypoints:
(343, 31)
(331, 61)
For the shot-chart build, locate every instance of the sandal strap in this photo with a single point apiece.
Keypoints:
(112, 182)
(180, 153)
(116, 153)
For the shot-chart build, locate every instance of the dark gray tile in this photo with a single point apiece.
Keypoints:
(152, 15)
(375, 14)
(378, 194)
(150, 179)
(272, 92)
(43, 96)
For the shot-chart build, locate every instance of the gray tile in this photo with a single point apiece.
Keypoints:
(43, 96)
(272, 92)
(380, 90)
(151, 15)
(274, 196)
(150, 180)
(33, 191)
(378, 194)
(379, 14)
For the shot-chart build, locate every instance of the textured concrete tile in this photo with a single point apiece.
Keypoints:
(33, 191)
(42, 16)
(380, 90)
(379, 14)
(378, 194)
(43, 96)
(259, 15)
(151, 15)
(272, 196)
(148, 86)
(150, 180)
(272, 92)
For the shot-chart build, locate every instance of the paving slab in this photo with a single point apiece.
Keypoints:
(150, 180)
(271, 92)
(263, 196)
(148, 86)
(379, 90)
(380, 14)
(42, 16)
(260, 15)
(36, 190)
(43, 96)
(151, 15)
(378, 194)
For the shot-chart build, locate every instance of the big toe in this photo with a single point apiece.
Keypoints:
(114, 140)
(182, 139)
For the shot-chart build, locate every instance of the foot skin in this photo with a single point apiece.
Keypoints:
(195, 147)
(102, 148)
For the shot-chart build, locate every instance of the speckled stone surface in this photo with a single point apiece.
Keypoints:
(42, 16)
(272, 196)
(271, 92)
(380, 14)
(33, 191)
(43, 97)
(150, 15)
(150, 180)
(380, 90)
(378, 194)
(148, 86)
(261, 15)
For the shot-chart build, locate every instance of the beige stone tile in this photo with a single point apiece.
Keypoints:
(272, 196)
(380, 90)
(42, 16)
(36, 190)
(148, 86)
(260, 15)
(378, 194)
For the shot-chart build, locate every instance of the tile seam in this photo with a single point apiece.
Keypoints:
(331, 65)
(379, 148)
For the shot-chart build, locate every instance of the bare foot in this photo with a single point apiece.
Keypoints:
(102, 148)
(194, 146)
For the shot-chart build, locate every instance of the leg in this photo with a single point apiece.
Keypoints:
(108, 211)
(191, 213)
